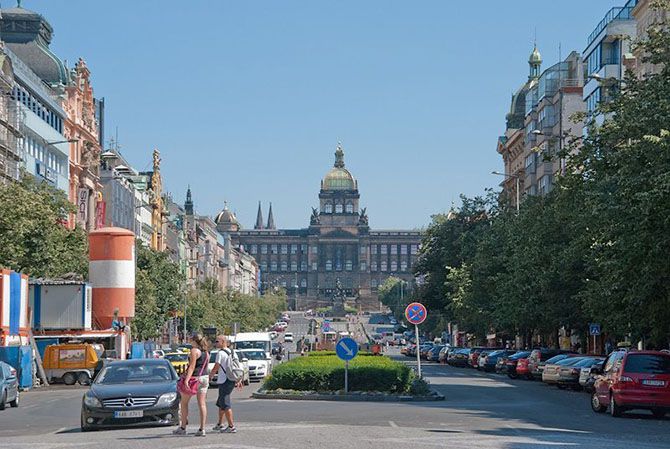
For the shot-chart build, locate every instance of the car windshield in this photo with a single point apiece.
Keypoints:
(520, 355)
(557, 358)
(254, 355)
(177, 357)
(587, 362)
(135, 373)
(571, 361)
(647, 364)
(250, 345)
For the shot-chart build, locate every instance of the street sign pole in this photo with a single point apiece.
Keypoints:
(346, 377)
(418, 354)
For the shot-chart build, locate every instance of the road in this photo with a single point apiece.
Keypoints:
(480, 411)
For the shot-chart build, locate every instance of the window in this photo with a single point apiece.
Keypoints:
(545, 185)
(373, 249)
(294, 266)
(264, 266)
(592, 101)
(303, 248)
(384, 249)
(252, 249)
(264, 249)
(303, 266)
(274, 249)
(284, 266)
(314, 266)
(338, 208)
(348, 265)
(328, 208)
(414, 249)
(364, 266)
(364, 250)
(315, 249)
(303, 283)
(284, 249)
(338, 265)
(283, 284)
(394, 265)
(403, 249)
(384, 265)
(530, 163)
(329, 265)
(273, 266)
(294, 249)
(374, 283)
(350, 208)
(403, 266)
(373, 266)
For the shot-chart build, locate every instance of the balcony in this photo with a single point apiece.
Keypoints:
(617, 13)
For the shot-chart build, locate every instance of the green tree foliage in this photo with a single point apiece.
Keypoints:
(148, 321)
(395, 294)
(33, 237)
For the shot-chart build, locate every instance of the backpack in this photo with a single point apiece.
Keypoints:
(234, 368)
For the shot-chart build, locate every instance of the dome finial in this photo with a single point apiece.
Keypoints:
(339, 156)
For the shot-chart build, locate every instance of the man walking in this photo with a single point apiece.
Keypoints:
(226, 386)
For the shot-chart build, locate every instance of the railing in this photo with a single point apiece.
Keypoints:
(617, 13)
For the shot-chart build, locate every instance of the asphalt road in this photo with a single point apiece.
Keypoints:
(481, 411)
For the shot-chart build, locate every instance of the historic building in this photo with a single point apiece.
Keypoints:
(337, 245)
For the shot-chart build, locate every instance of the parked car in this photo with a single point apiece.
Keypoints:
(178, 360)
(158, 354)
(459, 357)
(483, 355)
(288, 337)
(633, 380)
(510, 363)
(538, 357)
(587, 375)
(569, 375)
(424, 348)
(9, 386)
(473, 357)
(442, 356)
(130, 393)
(434, 353)
(489, 362)
(552, 370)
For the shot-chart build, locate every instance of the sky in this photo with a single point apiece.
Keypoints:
(246, 101)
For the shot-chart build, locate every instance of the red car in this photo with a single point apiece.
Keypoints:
(522, 368)
(473, 358)
(633, 380)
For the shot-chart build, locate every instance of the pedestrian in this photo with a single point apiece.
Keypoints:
(195, 382)
(226, 386)
(608, 346)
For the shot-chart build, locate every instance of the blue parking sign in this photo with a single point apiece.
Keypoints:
(594, 329)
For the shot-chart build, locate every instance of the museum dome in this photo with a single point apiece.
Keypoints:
(338, 178)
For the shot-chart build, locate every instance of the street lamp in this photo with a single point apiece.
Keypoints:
(515, 177)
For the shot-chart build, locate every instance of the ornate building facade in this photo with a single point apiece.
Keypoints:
(337, 246)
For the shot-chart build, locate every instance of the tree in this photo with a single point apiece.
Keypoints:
(395, 294)
(33, 237)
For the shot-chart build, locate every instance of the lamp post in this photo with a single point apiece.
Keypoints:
(516, 178)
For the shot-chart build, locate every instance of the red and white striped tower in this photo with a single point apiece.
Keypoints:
(112, 274)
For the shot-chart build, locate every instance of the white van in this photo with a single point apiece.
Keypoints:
(253, 340)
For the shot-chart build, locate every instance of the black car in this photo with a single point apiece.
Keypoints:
(507, 365)
(131, 393)
(458, 357)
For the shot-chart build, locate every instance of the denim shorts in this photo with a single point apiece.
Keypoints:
(225, 390)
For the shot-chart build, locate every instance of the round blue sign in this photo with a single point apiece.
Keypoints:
(346, 348)
(416, 313)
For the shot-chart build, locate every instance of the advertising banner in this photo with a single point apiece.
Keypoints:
(82, 205)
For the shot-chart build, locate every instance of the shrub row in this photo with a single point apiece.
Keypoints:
(326, 373)
(330, 353)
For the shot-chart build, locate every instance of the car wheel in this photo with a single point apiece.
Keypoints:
(615, 409)
(512, 376)
(658, 413)
(69, 379)
(596, 405)
(3, 400)
(84, 379)
(15, 402)
(561, 387)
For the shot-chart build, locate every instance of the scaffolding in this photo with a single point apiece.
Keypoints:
(10, 125)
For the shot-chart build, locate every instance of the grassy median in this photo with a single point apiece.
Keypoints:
(325, 372)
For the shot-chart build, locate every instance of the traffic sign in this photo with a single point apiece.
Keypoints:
(346, 349)
(594, 329)
(416, 313)
(326, 326)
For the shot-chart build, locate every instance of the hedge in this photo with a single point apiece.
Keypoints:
(329, 353)
(326, 373)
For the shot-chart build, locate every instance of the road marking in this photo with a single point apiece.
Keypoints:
(392, 424)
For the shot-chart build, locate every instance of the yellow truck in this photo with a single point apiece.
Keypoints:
(71, 362)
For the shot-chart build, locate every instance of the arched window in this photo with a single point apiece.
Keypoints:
(350, 207)
(328, 208)
(303, 283)
(329, 265)
(338, 208)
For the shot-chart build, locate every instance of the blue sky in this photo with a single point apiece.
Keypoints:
(247, 100)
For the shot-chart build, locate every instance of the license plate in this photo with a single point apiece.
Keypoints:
(653, 383)
(129, 414)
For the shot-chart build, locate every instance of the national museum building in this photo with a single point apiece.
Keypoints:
(337, 245)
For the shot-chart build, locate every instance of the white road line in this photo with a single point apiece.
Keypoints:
(392, 424)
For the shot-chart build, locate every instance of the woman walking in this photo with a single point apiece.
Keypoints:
(195, 382)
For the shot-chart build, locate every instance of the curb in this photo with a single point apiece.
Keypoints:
(348, 397)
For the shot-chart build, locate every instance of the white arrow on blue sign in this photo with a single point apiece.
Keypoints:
(346, 348)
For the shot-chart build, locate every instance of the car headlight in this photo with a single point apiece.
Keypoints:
(92, 401)
(166, 399)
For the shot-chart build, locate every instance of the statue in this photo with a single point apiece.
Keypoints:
(363, 220)
(338, 299)
(315, 219)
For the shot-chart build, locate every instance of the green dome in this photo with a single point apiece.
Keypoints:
(339, 178)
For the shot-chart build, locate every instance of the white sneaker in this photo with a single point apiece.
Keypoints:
(179, 431)
(200, 433)
(229, 430)
(217, 428)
